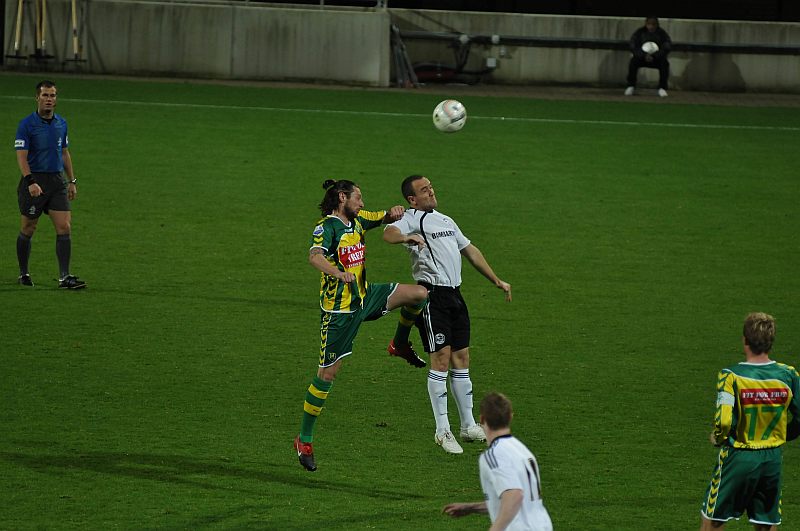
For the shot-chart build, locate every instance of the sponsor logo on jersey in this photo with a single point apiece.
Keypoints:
(777, 395)
(443, 234)
(351, 256)
(318, 230)
(19, 143)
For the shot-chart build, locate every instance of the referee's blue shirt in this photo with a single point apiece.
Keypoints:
(44, 141)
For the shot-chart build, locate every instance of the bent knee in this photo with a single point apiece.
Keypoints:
(420, 293)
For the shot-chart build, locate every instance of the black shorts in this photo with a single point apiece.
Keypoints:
(54, 195)
(444, 321)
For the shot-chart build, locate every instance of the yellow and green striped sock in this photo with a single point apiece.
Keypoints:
(408, 316)
(312, 407)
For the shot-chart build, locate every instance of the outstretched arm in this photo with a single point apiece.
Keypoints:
(457, 510)
(475, 257)
(393, 214)
(393, 235)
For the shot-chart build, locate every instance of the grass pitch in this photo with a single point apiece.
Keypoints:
(167, 394)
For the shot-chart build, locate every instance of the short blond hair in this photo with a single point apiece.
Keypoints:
(759, 332)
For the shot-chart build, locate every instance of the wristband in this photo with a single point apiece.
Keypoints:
(29, 180)
(73, 180)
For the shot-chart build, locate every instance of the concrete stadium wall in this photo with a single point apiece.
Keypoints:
(227, 40)
(689, 71)
(241, 40)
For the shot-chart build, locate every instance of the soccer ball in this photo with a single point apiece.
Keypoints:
(649, 47)
(449, 116)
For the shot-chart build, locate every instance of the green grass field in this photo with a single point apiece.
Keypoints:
(167, 394)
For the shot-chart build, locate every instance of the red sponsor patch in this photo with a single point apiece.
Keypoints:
(777, 395)
(352, 255)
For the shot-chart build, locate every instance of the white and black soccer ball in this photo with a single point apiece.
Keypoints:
(449, 116)
(649, 47)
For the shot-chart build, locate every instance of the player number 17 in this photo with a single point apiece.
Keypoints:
(752, 417)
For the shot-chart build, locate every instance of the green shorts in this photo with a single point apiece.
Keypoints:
(337, 331)
(746, 480)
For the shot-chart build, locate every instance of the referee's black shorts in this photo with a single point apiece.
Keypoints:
(54, 195)
(445, 319)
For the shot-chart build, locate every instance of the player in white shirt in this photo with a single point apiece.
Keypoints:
(509, 475)
(436, 245)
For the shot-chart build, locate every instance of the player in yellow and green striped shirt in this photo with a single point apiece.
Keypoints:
(346, 244)
(758, 410)
(338, 251)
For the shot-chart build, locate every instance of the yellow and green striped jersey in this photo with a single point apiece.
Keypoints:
(757, 405)
(345, 248)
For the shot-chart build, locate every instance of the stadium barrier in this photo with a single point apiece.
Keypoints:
(461, 43)
(599, 44)
(228, 39)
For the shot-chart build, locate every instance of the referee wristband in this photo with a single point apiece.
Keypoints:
(73, 180)
(28, 180)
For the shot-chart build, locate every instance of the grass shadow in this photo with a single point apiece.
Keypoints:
(193, 472)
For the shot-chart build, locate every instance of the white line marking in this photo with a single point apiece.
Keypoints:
(411, 115)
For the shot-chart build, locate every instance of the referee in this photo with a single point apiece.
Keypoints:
(436, 246)
(43, 157)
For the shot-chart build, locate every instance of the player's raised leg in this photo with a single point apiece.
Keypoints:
(412, 299)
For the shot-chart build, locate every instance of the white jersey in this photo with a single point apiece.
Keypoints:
(439, 263)
(508, 464)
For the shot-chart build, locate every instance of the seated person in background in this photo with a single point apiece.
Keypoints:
(651, 32)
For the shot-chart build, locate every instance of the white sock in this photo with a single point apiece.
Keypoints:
(462, 392)
(437, 391)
